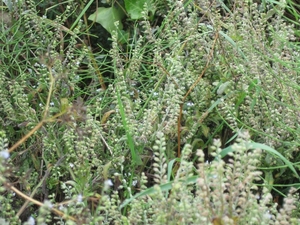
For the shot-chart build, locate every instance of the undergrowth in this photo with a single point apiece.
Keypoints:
(186, 117)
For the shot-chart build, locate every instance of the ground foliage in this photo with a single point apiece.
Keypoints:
(188, 115)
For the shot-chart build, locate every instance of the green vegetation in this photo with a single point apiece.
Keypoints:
(149, 112)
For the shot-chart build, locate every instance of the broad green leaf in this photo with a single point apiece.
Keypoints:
(107, 18)
(9, 4)
(135, 8)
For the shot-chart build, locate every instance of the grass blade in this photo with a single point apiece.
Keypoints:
(268, 149)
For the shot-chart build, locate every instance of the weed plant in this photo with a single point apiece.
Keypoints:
(137, 133)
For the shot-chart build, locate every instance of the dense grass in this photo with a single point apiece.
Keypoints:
(186, 116)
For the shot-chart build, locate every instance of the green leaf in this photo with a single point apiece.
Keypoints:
(205, 130)
(254, 145)
(10, 4)
(153, 190)
(269, 180)
(134, 154)
(107, 18)
(87, 6)
(135, 8)
(170, 166)
(231, 41)
(222, 88)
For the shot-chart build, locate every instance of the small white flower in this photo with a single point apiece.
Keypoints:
(4, 154)
(79, 198)
(257, 196)
(31, 221)
(268, 215)
(190, 104)
(48, 204)
(134, 183)
(54, 71)
(207, 162)
(215, 176)
(108, 183)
